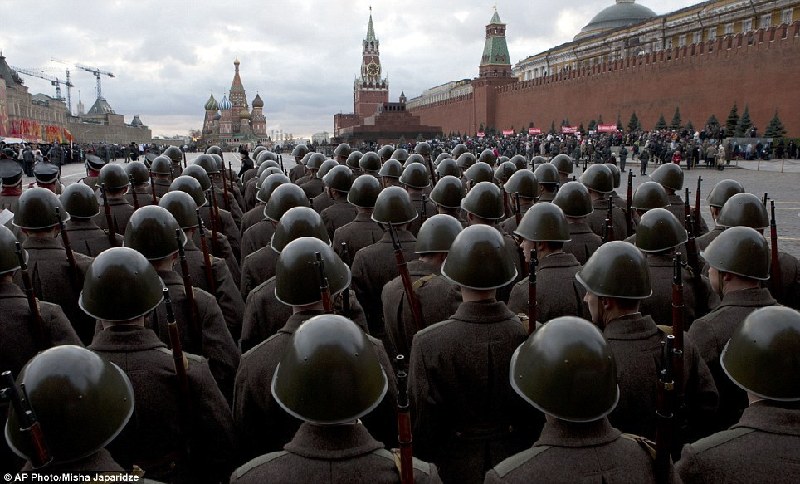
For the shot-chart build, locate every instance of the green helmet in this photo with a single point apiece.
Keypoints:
(504, 171)
(256, 151)
(414, 158)
(391, 169)
(422, 148)
(400, 155)
(300, 151)
(459, 150)
(616, 269)
(214, 149)
(502, 159)
(448, 192)
(137, 172)
(284, 197)
(479, 172)
(325, 167)
(546, 173)
(519, 161)
(538, 160)
(151, 232)
(37, 209)
(264, 156)
(478, 259)
(185, 183)
(315, 161)
(574, 199)
(722, 191)
(669, 175)
(741, 251)
(484, 200)
(218, 161)
(207, 163)
(386, 152)
(659, 230)
(393, 206)
(415, 175)
(9, 262)
(339, 178)
(448, 166)
(598, 178)
(364, 191)
(297, 280)
(269, 171)
(370, 161)
(567, 369)
(342, 150)
(115, 268)
(181, 205)
(563, 163)
(80, 400)
(269, 164)
(353, 158)
(487, 156)
(649, 195)
(615, 173)
(298, 222)
(763, 355)
(465, 160)
(330, 373)
(113, 177)
(443, 156)
(198, 173)
(174, 153)
(523, 181)
(743, 210)
(79, 201)
(437, 234)
(161, 165)
(270, 183)
(544, 222)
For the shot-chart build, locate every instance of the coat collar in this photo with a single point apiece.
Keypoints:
(125, 338)
(10, 289)
(755, 297)
(332, 441)
(630, 327)
(403, 235)
(483, 312)
(560, 433)
(558, 259)
(580, 228)
(296, 319)
(40, 243)
(773, 417)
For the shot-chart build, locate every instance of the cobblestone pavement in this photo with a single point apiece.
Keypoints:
(757, 178)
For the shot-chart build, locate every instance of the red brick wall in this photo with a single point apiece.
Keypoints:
(701, 80)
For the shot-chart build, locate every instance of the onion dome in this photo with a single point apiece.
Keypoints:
(211, 104)
(258, 102)
(244, 113)
(622, 14)
(225, 104)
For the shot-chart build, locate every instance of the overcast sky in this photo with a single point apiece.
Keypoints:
(301, 56)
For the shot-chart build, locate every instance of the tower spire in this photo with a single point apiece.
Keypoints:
(370, 29)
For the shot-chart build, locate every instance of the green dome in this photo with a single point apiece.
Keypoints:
(211, 104)
(622, 14)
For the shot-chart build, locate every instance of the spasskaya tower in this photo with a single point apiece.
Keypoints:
(370, 91)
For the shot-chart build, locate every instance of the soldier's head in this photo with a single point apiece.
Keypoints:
(415, 177)
(284, 197)
(137, 173)
(390, 172)
(330, 373)
(353, 159)
(548, 177)
(720, 194)
(297, 273)
(46, 175)
(94, 164)
(567, 370)
(616, 278)
(543, 228)
(669, 176)
(524, 183)
(79, 201)
(81, 401)
(174, 153)
(615, 173)
(183, 207)
(10, 173)
(448, 166)
(435, 237)
(648, 195)
(744, 210)
(315, 161)
(738, 258)
(659, 231)
(447, 194)
(599, 180)
(484, 204)
(153, 232)
(574, 199)
(393, 206)
(479, 262)
(503, 172)
(298, 152)
(270, 183)
(370, 163)
(295, 223)
(338, 181)
(479, 172)
(563, 164)
(38, 213)
(114, 180)
(161, 167)
(342, 152)
(190, 185)
(386, 152)
(364, 193)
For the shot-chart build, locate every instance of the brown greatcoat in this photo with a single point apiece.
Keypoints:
(583, 242)
(263, 425)
(360, 233)
(762, 447)
(710, 334)
(313, 187)
(678, 209)
(636, 342)
(161, 186)
(9, 202)
(235, 210)
(121, 212)
(297, 172)
(226, 227)
(257, 267)
(430, 211)
(597, 219)
(467, 418)
(321, 202)
(438, 298)
(250, 192)
(569, 452)
(558, 293)
(789, 294)
(338, 215)
(373, 267)
(252, 217)
(97, 462)
(509, 225)
(224, 251)
(87, 238)
(705, 239)
(143, 196)
(153, 439)
(331, 453)
(257, 236)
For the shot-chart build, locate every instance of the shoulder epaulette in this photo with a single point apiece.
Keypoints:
(513, 462)
(241, 471)
(422, 281)
(394, 456)
(665, 329)
(259, 345)
(720, 438)
(644, 443)
(186, 356)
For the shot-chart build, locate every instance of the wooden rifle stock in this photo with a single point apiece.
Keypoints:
(212, 208)
(194, 322)
(610, 220)
(697, 219)
(517, 209)
(677, 323)
(180, 364)
(153, 190)
(324, 289)
(405, 277)
(424, 208)
(776, 277)
(134, 194)
(224, 189)
(33, 304)
(404, 436)
(629, 203)
(665, 411)
(28, 423)
(346, 292)
(533, 304)
(112, 239)
(73, 266)
(212, 284)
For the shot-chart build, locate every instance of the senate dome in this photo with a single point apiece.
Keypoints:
(622, 14)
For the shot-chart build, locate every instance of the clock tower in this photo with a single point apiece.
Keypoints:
(370, 91)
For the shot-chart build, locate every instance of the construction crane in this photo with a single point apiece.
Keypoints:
(68, 84)
(97, 73)
(54, 81)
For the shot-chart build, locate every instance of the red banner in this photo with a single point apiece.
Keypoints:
(481, 134)
(569, 129)
(607, 128)
(507, 132)
(534, 131)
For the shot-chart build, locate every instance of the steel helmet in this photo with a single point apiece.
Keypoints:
(391, 168)
(339, 178)
(415, 175)
(544, 222)
(330, 373)
(538, 160)
(370, 161)
(300, 151)
(414, 158)
(519, 161)
(364, 191)
(459, 150)
(546, 173)
(504, 171)
(615, 173)
(353, 159)
(214, 149)
(151, 231)
(484, 200)
(741, 251)
(487, 156)
(448, 192)
(659, 230)
(422, 148)
(743, 210)
(137, 172)
(80, 201)
(325, 167)
(437, 234)
(297, 280)
(393, 206)
(284, 197)
(574, 199)
(616, 269)
(198, 173)
(649, 195)
(81, 401)
(181, 205)
(722, 191)
(479, 172)
(37, 209)
(9, 262)
(161, 165)
(270, 183)
(524, 182)
(563, 163)
(448, 166)
(315, 161)
(174, 153)
(400, 155)
(298, 222)
(669, 175)
(465, 160)
(386, 152)
(207, 163)
(113, 177)
(598, 178)
(763, 355)
(256, 151)
(342, 150)
(478, 259)
(190, 185)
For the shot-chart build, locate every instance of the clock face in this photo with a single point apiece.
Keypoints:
(372, 68)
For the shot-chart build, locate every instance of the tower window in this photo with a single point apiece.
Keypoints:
(747, 25)
(712, 34)
(765, 21)
(729, 28)
(786, 16)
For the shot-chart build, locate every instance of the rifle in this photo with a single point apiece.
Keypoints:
(697, 219)
(181, 364)
(346, 293)
(212, 208)
(629, 203)
(27, 421)
(533, 304)
(224, 189)
(194, 322)
(424, 208)
(230, 172)
(73, 266)
(212, 284)
(776, 277)
(112, 239)
(33, 304)
(764, 200)
(677, 323)
(184, 158)
(153, 190)
(133, 193)
(665, 411)
(324, 289)
(280, 160)
(518, 209)
(687, 210)
(608, 233)
(404, 437)
(432, 172)
(405, 277)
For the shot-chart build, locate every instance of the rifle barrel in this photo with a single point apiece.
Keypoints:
(324, 289)
(776, 276)
(73, 266)
(133, 193)
(408, 286)
(33, 304)
(112, 239)
(533, 304)
(404, 436)
(212, 284)
(194, 323)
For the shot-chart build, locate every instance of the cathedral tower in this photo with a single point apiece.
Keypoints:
(370, 91)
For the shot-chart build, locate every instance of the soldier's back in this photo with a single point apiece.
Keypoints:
(583, 242)
(558, 293)
(339, 214)
(256, 237)
(257, 267)
(89, 239)
(359, 233)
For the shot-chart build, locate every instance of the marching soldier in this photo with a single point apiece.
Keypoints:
(363, 230)
(161, 171)
(670, 176)
(447, 195)
(139, 177)
(165, 440)
(337, 185)
(617, 176)
(298, 170)
(114, 180)
(648, 195)
(323, 200)
(574, 200)
(720, 194)
(416, 181)
(353, 160)
(523, 186)
(85, 236)
(385, 152)
(477, 173)
(47, 176)
(564, 165)
(231, 183)
(93, 166)
(548, 177)
(175, 156)
(213, 215)
(284, 197)
(600, 182)
(11, 189)
(311, 184)
(370, 164)
(390, 173)
(577, 442)
(341, 153)
(207, 163)
(256, 214)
